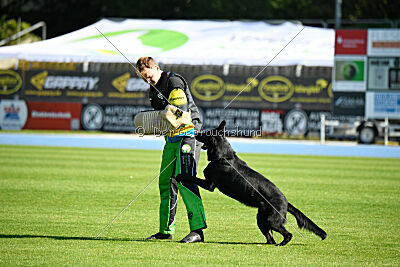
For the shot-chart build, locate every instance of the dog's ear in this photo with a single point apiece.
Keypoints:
(222, 125)
(202, 137)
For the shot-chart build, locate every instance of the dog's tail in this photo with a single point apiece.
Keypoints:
(304, 222)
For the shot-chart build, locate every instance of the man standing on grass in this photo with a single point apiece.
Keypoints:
(181, 147)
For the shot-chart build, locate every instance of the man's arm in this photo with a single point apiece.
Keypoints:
(177, 93)
(176, 82)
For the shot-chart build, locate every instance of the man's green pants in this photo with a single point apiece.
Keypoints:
(185, 155)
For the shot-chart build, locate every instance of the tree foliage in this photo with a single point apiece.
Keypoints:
(9, 27)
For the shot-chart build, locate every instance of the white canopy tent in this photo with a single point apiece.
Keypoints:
(185, 42)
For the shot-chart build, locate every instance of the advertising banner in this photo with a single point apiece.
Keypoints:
(54, 115)
(384, 42)
(62, 85)
(384, 73)
(272, 121)
(296, 122)
(13, 114)
(110, 118)
(268, 92)
(345, 103)
(208, 90)
(350, 74)
(314, 120)
(351, 42)
(383, 105)
(124, 87)
(239, 122)
(10, 83)
(103, 88)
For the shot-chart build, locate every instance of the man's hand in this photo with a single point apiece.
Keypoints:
(185, 178)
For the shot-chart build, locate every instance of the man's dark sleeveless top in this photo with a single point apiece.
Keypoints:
(169, 81)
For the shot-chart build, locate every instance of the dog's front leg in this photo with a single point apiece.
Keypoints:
(206, 184)
(203, 183)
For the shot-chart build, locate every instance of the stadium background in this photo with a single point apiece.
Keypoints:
(295, 114)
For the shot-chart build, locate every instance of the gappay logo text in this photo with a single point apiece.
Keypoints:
(64, 85)
(128, 87)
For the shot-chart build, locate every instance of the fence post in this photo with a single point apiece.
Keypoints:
(322, 128)
(85, 66)
(386, 131)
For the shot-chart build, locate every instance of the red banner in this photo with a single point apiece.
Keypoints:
(53, 116)
(351, 42)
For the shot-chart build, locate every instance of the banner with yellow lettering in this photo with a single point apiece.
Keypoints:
(238, 90)
(266, 92)
(97, 87)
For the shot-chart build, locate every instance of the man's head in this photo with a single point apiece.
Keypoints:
(148, 70)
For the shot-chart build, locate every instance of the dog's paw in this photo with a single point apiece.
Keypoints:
(178, 178)
(184, 178)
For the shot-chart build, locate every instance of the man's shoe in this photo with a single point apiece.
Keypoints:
(195, 236)
(159, 236)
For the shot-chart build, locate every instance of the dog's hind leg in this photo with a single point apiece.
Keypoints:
(270, 238)
(277, 219)
(287, 236)
(264, 226)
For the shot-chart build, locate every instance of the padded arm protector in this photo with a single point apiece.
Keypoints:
(161, 121)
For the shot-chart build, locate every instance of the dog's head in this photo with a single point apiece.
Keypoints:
(215, 143)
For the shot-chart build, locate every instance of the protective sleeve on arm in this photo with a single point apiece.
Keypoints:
(177, 95)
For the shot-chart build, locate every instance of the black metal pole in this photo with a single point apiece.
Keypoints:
(338, 14)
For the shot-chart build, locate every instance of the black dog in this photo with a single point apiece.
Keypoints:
(236, 179)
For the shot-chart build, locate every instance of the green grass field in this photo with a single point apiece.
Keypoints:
(55, 200)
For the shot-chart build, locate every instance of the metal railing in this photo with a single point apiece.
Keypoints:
(41, 24)
(330, 23)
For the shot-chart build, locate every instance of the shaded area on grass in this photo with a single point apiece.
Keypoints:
(123, 239)
(73, 238)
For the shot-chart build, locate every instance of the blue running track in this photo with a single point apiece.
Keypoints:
(241, 145)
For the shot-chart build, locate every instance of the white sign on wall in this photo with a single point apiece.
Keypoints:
(383, 73)
(383, 42)
(13, 114)
(350, 74)
(383, 105)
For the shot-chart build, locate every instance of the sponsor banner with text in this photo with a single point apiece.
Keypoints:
(239, 122)
(94, 87)
(272, 121)
(53, 115)
(110, 118)
(296, 122)
(208, 90)
(383, 105)
(350, 73)
(351, 42)
(61, 85)
(270, 92)
(384, 73)
(346, 103)
(10, 83)
(13, 114)
(384, 42)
